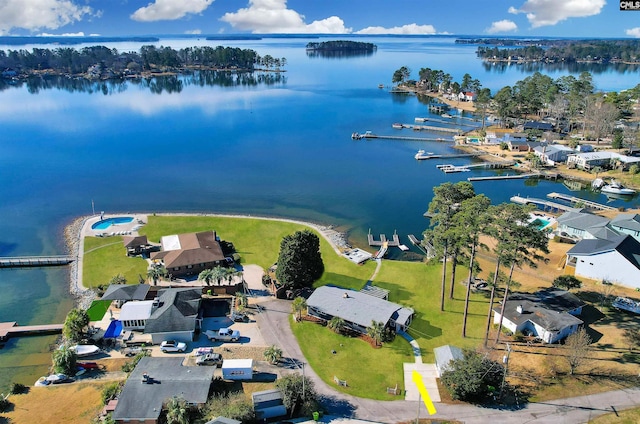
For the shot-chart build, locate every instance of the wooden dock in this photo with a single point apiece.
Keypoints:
(545, 205)
(34, 261)
(506, 177)
(578, 201)
(399, 137)
(459, 155)
(10, 329)
(394, 242)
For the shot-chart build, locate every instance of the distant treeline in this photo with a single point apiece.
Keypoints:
(16, 41)
(342, 45)
(112, 63)
(603, 51)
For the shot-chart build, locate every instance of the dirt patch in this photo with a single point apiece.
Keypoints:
(76, 403)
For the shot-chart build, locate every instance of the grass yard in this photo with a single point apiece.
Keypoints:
(97, 309)
(106, 257)
(368, 371)
(417, 285)
(76, 403)
(630, 416)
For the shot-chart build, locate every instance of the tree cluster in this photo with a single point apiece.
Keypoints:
(73, 61)
(344, 45)
(474, 378)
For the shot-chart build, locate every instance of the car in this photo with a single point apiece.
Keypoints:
(209, 359)
(223, 335)
(172, 346)
(89, 365)
(481, 284)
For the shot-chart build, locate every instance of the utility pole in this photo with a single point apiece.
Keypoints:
(505, 360)
(303, 393)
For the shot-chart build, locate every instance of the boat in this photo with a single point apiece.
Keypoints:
(85, 350)
(446, 115)
(615, 187)
(419, 119)
(380, 85)
(626, 304)
(42, 382)
(397, 126)
(423, 155)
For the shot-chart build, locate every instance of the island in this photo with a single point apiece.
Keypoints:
(340, 48)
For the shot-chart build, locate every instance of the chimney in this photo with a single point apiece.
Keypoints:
(519, 309)
(156, 302)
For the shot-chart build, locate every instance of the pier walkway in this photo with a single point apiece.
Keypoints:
(397, 137)
(578, 201)
(420, 156)
(545, 205)
(506, 177)
(394, 242)
(9, 329)
(28, 261)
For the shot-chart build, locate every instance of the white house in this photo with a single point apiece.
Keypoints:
(627, 223)
(548, 314)
(582, 225)
(616, 260)
(552, 154)
(603, 159)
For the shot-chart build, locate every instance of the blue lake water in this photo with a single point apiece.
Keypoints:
(282, 149)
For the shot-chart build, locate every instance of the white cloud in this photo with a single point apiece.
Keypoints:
(33, 15)
(405, 29)
(66, 34)
(504, 25)
(272, 16)
(550, 12)
(168, 10)
(193, 31)
(633, 32)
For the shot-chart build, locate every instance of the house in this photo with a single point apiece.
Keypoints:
(467, 96)
(553, 153)
(174, 315)
(444, 355)
(189, 254)
(155, 380)
(548, 314)
(357, 309)
(122, 293)
(627, 223)
(582, 225)
(616, 260)
(537, 125)
(136, 245)
(589, 160)
(268, 404)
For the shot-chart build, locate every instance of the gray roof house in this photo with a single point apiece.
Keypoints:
(173, 315)
(548, 314)
(616, 260)
(553, 153)
(582, 225)
(357, 309)
(627, 223)
(142, 397)
(126, 292)
(268, 404)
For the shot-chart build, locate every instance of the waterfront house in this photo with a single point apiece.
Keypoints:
(174, 314)
(189, 254)
(553, 153)
(549, 314)
(156, 380)
(627, 223)
(122, 293)
(616, 260)
(605, 160)
(583, 225)
(357, 309)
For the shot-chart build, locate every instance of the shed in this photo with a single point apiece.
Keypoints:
(444, 355)
(268, 404)
(237, 369)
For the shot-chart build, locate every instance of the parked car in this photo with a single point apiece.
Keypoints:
(214, 359)
(173, 346)
(223, 335)
(89, 365)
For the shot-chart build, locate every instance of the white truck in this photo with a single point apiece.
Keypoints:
(223, 335)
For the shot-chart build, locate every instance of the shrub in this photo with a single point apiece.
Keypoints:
(110, 391)
(18, 389)
(634, 169)
(129, 366)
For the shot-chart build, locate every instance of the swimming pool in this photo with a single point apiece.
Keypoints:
(106, 223)
(540, 223)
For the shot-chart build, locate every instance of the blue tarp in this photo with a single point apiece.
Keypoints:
(114, 330)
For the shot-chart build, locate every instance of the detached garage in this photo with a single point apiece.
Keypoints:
(237, 369)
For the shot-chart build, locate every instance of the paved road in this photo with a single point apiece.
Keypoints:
(274, 325)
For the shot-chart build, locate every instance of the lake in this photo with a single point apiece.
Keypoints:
(279, 147)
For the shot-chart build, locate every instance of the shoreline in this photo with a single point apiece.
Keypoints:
(76, 231)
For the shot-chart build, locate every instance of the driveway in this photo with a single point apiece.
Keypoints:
(274, 325)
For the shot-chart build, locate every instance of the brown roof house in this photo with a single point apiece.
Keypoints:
(189, 254)
(136, 245)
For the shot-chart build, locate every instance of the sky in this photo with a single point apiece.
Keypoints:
(525, 18)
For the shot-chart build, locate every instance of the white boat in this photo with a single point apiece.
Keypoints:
(422, 155)
(421, 119)
(615, 187)
(397, 126)
(626, 304)
(446, 115)
(85, 350)
(42, 382)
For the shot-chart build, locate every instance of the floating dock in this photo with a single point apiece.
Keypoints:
(34, 261)
(394, 242)
(576, 200)
(505, 177)
(10, 329)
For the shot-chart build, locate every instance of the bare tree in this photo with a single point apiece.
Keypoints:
(577, 349)
(600, 118)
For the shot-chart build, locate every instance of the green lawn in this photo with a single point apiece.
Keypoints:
(106, 257)
(97, 309)
(368, 371)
